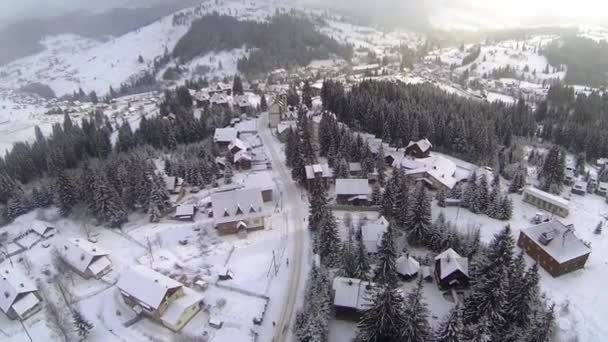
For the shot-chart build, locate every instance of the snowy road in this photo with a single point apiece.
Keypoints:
(293, 206)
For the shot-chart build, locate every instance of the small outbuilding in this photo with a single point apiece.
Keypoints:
(407, 267)
(185, 212)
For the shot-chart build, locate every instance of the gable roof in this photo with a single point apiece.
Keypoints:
(225, 135)
(352, 293)
(438, 167)
(148, 286)
(353, 186)
(79, 253)
(423, 144)
(238, 143)
(176, 309)
(236, 205)
(13, 283)
(242, 155)
(354, 167)
(450, 262)
(562, 244)
(41, 228)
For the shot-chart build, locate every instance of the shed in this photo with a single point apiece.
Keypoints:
(185, 212)
(451, 270)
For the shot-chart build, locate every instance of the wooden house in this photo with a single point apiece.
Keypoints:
(87, 259)
(351, 191)
(318, 174)
(451, 270)
(351, 297)
(238, 211)
(158, 297)
(20, 297)
(555, 247)
(419, 149)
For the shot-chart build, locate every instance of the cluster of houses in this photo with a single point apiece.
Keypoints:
(221, 95)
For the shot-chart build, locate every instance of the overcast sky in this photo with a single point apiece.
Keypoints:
(445, 13)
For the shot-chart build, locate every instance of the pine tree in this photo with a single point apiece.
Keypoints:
(263, 103)
(541, 329)
(506, 211)
(228, 173)
(16, 206)
(418, 218)
(328, 241)
(65, 194)
(361, 260)
(384, 320)
(159, 199)
(318, 206)
(386, 270)
(416, 327)
(481, 200)
(82, 326)
(441, 198)
(376, 195)
(237, 86)
(451, 328)
(598, 228)
(307, 95)
(470, 192)
(349, 269)
(106, 205)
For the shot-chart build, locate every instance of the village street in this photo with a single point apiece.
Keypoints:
(293, 204)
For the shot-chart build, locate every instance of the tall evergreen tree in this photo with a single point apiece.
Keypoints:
(328, 240)
(82, 326)
(237, 85)
(416, 327)
(307, 95)
(318, 207)
(263, 103)
(386, 270)
(418, 219)
(361, 260)
(384, 320)
(65, 194)
(451, 328)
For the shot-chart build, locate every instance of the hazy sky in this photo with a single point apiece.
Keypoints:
(444, 13)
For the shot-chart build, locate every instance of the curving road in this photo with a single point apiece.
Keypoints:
(293, 206)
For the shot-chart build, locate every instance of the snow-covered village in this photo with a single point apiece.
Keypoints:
(301, 170)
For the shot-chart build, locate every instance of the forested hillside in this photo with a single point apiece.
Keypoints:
(399, 113)
(586, 59)
(285, 41)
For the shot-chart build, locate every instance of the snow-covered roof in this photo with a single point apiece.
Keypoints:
(236, 205)
(80, 253)
(353, 186)
(371, 234)
(184, 210)
(148, 286)
(423, 144)
(451, 262)
(242, 101)
(225, 135)
(242, 155)
(354, 167)
(324, 169)
(220, 98)
(25, 303)
(176, 308)
(352, 293)
(562, 244)
(99, 264)
(259, 180)
(41, 227)
(407, 266)
(365, 67)
(202, 96)
(170, 182)
(285, 125)
(13, 283)
(238, 143)
(547, 197)
(441, 169)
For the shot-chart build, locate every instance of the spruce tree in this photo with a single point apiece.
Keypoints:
(65, 194)
(307, 95)
(441, 198)
(263, 103)
(237, 85)
(386, 270)
(228, 173)
(328, 241)
(451, 329)
(384, 320)
(416, 327)
(481, 200)
(361, 259)
(16, 206)
(159, 200)
(418, 218)
(318, 207)
(82, 326)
